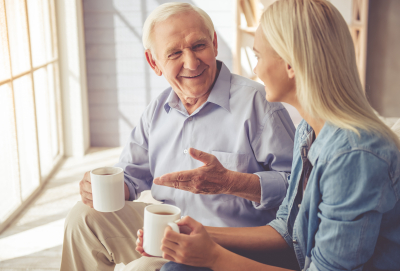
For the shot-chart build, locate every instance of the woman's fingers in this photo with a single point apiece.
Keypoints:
(168, 257)
(168, 244)
(172, 236)
(169, 254)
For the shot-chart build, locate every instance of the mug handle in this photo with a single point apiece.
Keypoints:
(174, 226)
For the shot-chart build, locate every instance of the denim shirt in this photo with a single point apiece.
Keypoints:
(349, 217)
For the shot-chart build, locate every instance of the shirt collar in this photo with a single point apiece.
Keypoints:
(172, 101)
(219, 94)
(323, 138)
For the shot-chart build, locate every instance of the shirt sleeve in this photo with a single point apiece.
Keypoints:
(356, 191)
(274, 150)
(134, 160)
(280, 223)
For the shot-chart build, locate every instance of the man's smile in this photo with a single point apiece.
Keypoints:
(194, 76)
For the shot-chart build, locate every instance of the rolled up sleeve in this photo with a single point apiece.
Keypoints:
(274, 150)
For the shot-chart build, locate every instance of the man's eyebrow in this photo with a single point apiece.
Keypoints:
(173, 49)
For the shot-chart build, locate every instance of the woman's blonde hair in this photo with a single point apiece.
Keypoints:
(313, 38)
(165, 11)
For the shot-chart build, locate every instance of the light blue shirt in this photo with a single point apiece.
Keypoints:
(349, 218)
(237, 125)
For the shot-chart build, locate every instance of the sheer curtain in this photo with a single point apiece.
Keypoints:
(30, 115)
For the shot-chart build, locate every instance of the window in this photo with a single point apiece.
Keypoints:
(30, 113)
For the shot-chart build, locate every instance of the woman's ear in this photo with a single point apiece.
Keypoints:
(290, 71)
(150, 59)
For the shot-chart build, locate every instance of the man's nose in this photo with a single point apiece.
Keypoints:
(190, 61)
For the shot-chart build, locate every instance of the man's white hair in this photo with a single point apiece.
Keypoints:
(164, 11)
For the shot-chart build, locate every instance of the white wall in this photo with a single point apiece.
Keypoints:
(120, 83)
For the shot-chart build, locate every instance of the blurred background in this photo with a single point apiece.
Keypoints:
(74, 82)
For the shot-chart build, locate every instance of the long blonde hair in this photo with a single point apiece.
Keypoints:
(313, 38)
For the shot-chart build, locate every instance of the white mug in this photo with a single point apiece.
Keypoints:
(156, 219)
(108, 189)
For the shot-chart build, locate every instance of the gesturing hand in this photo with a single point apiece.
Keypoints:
(211, 178)
(195, 249)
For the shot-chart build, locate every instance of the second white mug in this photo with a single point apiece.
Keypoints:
(156, 218)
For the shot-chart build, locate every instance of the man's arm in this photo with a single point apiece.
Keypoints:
(126, 189)
(134, 159)
(245, 185)
(213, 178)
(273, 148)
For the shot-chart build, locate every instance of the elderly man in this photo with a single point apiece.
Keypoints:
(228, 149)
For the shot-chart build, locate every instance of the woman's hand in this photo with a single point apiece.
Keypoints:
(195, 249)
(139, 244)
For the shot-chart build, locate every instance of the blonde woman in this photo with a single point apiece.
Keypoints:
(342, 208)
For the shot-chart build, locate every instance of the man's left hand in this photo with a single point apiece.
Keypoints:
(211, 178)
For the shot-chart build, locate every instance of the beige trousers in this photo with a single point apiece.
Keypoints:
(98, 241)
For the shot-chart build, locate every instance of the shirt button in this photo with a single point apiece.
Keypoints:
(299, 206)
(185, 151)
(294, 241)
(190, 118)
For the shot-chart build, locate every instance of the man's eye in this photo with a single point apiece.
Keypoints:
(175, 55)
(199, 46)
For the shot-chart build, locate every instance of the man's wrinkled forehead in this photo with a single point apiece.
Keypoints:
(168, 38)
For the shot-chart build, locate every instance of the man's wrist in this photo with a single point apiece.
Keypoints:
(126, 190)
(240, 182)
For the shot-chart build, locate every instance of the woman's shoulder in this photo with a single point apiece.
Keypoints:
(343, 141)
(342, 144)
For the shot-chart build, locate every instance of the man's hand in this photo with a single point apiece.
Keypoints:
(211, 178)
(85, 189)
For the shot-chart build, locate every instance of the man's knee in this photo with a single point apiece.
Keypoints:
(171, 266)
(77, 217)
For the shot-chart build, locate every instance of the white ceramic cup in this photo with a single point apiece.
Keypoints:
(155, 224)
(108, 189)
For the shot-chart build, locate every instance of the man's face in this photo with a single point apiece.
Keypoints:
(185, 53)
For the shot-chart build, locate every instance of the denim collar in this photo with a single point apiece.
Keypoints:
(219, 95)
(321, 141)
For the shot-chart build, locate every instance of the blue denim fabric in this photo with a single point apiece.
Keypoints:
(349, 218)
(171, 266)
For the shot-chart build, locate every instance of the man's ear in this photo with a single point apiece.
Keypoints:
(150, 59)
(215, 43)
(290, 71)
